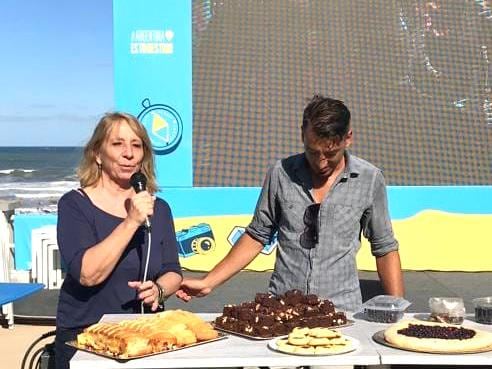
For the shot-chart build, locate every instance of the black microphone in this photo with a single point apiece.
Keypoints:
(139, 184)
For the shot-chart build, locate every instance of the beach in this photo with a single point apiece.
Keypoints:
(34, 178)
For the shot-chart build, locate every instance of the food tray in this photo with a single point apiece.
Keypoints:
(379, 338)
(385, 308)
(248, 336)
(124, 359)
(272, 345)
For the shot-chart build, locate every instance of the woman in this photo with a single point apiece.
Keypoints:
(101, 236)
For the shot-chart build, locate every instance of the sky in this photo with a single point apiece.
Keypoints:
(56, 70)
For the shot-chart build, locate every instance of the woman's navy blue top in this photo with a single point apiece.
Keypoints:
(82, 225)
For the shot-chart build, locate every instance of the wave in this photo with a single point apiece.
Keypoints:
(36, 195)
(37, 189)
(16, 170)
(39, 186)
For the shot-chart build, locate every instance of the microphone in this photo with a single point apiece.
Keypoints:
(139, 184)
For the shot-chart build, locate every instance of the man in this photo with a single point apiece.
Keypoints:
(319, 202)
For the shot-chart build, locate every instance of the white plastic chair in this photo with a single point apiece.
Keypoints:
(40, 238)
(54, 268)
(5, 249)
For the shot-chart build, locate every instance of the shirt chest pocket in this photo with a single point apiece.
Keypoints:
(346, 221)
(292, 212)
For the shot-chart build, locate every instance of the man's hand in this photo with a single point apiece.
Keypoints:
(245, 250)
(191, 287)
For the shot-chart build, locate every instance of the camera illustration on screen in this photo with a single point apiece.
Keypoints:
(198, 239)
(238, 231)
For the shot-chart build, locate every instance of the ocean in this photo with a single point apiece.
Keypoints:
(35, 177)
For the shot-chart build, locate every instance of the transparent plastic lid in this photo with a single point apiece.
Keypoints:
(448, 305)
(485, 302)
(387, 303)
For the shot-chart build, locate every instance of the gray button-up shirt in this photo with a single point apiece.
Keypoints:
(357, 203)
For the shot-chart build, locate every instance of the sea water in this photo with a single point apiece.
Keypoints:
(36, 177)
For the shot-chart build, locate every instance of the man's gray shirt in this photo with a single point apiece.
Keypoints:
(356, 203)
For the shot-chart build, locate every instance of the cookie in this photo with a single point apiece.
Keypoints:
(339, 341)
(304, 350)
(298, 340)
(281, 342)
(323, 332)
(300, 331)
(318, 341)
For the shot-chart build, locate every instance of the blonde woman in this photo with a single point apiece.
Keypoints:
(102, 238)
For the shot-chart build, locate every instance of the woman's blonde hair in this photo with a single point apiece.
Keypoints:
(89, 172)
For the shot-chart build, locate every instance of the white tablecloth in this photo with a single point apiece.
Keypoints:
(238, 352)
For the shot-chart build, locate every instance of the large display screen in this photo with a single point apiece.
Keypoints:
(415, 75)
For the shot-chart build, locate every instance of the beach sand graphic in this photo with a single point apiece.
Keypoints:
(429, 240)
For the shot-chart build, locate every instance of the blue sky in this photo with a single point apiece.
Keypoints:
(56, 70)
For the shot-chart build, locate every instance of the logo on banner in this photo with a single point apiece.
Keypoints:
(152, 41)
(164, 126)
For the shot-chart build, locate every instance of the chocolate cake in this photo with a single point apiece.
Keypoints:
(270, 316)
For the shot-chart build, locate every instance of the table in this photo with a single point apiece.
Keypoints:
(10, 292)
(239, 352)
(233, 351)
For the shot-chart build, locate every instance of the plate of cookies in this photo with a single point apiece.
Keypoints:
(318, 341)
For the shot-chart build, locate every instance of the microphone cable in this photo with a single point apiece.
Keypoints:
(139, 183)
(146, 269)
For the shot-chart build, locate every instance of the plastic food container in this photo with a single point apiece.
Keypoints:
(449, 310)
(385, 308)
(483, 310)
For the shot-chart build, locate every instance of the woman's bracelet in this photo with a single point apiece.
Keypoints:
(161, 297)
